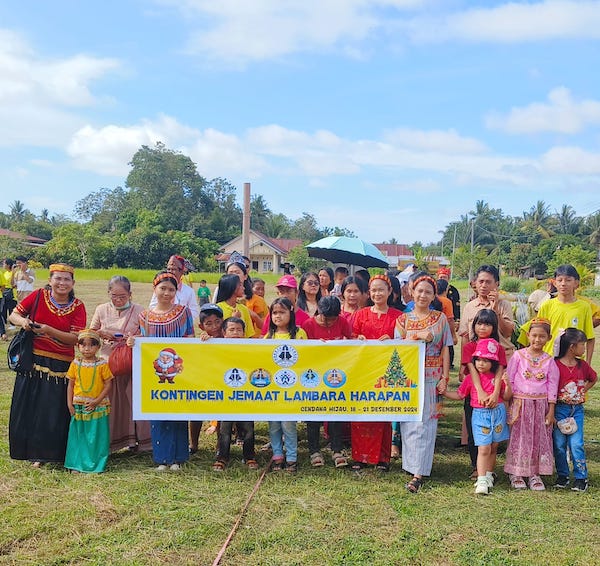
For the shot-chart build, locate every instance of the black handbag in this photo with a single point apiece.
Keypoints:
(20, 350)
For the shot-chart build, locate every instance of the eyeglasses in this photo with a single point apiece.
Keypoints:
(312, 283)
(119, 297)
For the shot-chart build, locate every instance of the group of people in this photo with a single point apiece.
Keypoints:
(75, 411)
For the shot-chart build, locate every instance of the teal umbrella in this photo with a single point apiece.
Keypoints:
(352, 251)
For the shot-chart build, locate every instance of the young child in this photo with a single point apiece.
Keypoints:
(576, 379)
(282, 326)
(210, 323)
(203, 293)
(488, 424)
(565, 311)
(484, 326)
(234, 327)
(533, 376)
(90, 382)
(258, 287)
(327, 325)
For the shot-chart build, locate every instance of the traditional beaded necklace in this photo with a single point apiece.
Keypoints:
(83, 389)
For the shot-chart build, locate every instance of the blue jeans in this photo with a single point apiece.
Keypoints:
(572, 442)
(278, 430)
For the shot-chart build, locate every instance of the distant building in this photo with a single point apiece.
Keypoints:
(267, 255)
(400, 255)
(29, 240)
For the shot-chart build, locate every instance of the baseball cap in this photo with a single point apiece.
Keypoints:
(287, 281)
(211, 308)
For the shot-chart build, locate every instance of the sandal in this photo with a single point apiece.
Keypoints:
(414, 485)
(291, 467)
(316, 460)
(383, 467)
(536, 484)
(339, 460)
(252, 464)
(358, 467)
(37, 465)
(218, 466)
(276, 465)
(517, 482)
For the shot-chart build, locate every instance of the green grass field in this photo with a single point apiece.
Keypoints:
(133, 515)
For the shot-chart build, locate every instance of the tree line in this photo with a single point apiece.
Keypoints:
(167, 207)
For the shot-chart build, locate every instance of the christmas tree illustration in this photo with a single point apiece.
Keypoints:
(395, 376)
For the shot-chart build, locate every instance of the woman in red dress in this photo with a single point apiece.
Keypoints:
(39, 416)
(372, 441)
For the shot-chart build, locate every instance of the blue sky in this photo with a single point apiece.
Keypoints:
(389, 117)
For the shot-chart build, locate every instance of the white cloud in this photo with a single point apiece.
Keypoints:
(448, 141)
(562, 114)
(39, 96)
(571, 161)
(108, 150)
(241, 32)
(512, 22)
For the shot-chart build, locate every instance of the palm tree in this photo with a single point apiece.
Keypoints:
(539, 218)
(567, 220)
(17, 211)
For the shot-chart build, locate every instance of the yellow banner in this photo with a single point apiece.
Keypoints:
(308, 380)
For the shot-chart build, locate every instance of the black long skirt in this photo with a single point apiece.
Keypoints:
(39, 417)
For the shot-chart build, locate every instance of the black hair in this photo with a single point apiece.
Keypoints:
(571, 336)
(329, 272)
(442, 286)
(495, 364)
(493, 271)
(567, 270)
(363, 274)
(395, 299)
(329, 306)
(358, 281)
(21, 258)
(232, 320)
(301, 300)
(341, 269)
(246, 282)
(227, 286)
(292, 328)
(9, 262)
(486, 316)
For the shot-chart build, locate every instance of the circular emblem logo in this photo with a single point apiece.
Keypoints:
(235, 377)
(334, 378)
(285, 355)
(285, 378)
(260, 378)
(310, 378)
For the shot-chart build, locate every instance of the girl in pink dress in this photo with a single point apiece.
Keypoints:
(534, 377)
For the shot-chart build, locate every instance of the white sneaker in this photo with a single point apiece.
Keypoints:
(482, 486)
(489, 476)
(175, 467)
(161, 468)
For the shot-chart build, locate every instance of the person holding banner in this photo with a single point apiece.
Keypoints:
(372, 441)
(167, 320)
(431, 326)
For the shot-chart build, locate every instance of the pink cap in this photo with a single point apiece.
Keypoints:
(487, 348)
(287, 281)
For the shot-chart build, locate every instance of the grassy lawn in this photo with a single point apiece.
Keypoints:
(133, 515)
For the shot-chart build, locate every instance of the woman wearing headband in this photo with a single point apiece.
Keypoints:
(431, 326)
(39, 416)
